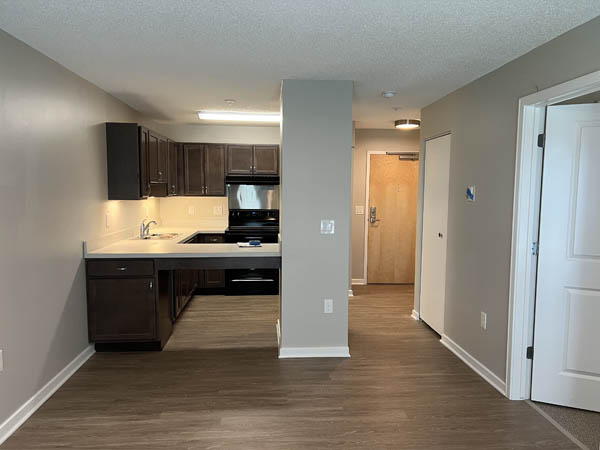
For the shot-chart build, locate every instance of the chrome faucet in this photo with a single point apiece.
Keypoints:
(145, 228)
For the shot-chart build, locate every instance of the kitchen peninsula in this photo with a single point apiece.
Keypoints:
(138, 287)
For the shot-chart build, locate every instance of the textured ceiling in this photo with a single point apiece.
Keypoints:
(169, 58)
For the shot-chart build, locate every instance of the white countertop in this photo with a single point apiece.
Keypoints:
(172, 248)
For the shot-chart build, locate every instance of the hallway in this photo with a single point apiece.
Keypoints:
(401, 389)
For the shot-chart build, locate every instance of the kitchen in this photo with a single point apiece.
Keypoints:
(139, 285)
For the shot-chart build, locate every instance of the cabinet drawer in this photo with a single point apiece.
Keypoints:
(214, 238)
(120, 267)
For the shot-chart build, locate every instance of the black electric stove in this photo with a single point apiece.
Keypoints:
(252, 225)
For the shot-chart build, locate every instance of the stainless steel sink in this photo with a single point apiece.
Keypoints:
(160, 236)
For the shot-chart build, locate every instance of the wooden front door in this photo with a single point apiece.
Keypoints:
(392, 234)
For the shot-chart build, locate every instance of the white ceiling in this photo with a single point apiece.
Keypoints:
(170, 58)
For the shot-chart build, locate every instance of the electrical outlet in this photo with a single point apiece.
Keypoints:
(147, 211)
(328, 305)
(359, 210)
(217, 210)
(191, 211)
(1, 360)
(107, 219)
(483, 320)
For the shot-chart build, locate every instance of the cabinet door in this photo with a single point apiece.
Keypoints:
(173, 180)
(194, 169)
(266, 159)
(144, 171)
(239, 159)
(214, 278)
(214, 169)
(163, 159)
(153, 158)
(121, 309)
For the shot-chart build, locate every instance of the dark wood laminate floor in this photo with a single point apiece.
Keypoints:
(219, 385)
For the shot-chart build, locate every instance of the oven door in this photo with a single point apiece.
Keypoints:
(252, 281)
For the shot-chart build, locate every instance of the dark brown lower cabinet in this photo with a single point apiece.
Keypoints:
(186, 282)
(214, 278)
(130, 304)
(122, 309)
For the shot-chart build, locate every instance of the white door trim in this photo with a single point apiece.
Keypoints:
(525, 224)
(403, 149)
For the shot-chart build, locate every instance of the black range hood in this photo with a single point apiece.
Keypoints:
(252, 179)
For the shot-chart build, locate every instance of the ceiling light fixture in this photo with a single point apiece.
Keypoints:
(388, 94)
(239, 116)
(230, 101)
(407, 124)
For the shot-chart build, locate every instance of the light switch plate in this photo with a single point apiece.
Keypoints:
(191, 211)
(1, 360)
(328, 306)
(107, 219)
(483, 320)
(217, 210)
(327, 226)
(359, 210)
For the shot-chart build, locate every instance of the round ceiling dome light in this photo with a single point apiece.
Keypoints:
(388, 94)
(407, 124)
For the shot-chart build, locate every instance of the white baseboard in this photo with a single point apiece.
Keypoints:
(350, 293)
(415, 315)
(474, 364)
(359, 281)
(314, 352)
(17, 419)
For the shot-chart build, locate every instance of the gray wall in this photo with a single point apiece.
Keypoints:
(52, 197)
(223, 133)
(316, 172)
(370, 140)
(483, 119)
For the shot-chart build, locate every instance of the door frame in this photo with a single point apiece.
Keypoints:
(527, 194)
(403, 149)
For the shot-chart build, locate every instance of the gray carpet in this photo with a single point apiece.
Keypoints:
(583, 425)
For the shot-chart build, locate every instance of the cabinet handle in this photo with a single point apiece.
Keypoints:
(122, 268)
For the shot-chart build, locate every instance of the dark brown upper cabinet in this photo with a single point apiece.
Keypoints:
(158, 149)
(266, 159)
(142, 163)
(214, 169)
(144, 182)
(239, 160)
(204, 169)
(253, 160)
(193, 162)
(172, 177)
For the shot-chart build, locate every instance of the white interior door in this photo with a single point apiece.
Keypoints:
(435, 223)
(566, 363)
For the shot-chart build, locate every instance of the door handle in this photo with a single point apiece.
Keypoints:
(373, 215)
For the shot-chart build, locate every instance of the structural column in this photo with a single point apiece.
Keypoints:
(316, 143)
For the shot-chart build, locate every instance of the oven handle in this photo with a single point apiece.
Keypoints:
(250, 280)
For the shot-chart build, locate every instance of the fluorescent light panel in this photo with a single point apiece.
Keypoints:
(239, 116)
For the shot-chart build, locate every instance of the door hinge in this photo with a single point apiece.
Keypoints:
(541, 140)
(535, 249)
(530, 352)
